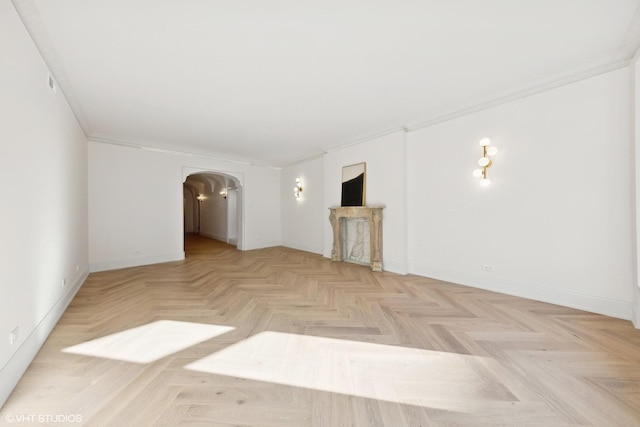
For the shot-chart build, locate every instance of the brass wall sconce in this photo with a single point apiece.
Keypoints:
(297, 190)
(485, 162)
(200, 198)
(223, 193)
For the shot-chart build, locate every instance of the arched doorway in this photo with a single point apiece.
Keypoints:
(212, 205)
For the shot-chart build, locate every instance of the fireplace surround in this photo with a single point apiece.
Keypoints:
(353, 227)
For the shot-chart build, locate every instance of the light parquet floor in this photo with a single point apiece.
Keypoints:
(279, 337)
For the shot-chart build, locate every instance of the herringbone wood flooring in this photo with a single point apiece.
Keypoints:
(279, 337)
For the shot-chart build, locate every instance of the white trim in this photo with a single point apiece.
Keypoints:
(604, 64)
(32, 21)
(263, 245)
(585, 71)
(635, 312)
(393, 267)
(606, 306)
(635, 58)
(239, 184)
(305, 248)
(148, 146)
(366, 138)
(304, 160)
(396, 268)
(403, 267)
(187, 171)
(28, 13)
(635, 197)
(631, 42)
(135, 262)
(214, 237)
(12, 372)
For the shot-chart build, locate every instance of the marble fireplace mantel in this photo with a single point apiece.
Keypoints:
(374, 215)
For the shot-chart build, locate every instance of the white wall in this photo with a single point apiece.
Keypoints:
(135, 207)
(135, 204)
(385, 185)
(190, 212)
(635, 106)
(43, 188)
(303, 220)
(556, 224)
(214, 214)
(232, 216)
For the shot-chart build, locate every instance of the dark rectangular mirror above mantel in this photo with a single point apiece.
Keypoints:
(354, 185)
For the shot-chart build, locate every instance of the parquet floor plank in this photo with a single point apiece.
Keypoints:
(280, 337)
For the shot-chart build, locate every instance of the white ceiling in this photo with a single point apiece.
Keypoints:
(273, 82)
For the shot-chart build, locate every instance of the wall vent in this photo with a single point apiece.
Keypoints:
(52, 83)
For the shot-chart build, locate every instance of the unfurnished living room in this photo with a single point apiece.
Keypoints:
(306, 213)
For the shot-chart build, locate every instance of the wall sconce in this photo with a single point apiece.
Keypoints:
(485, 162)
(297, 190)
(223, 193)
(200, 198)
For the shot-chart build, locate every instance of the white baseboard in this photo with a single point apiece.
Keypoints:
(395, 267)
(391, 267)
(262, 245)
(135, 262)
(214, 236)
(11, 373)
(636, 307)
(607, 306)
(306, 248)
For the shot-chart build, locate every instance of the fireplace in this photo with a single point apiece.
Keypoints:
(357, 235)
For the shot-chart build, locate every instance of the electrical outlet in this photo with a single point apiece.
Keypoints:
(14, 335)
(137, 252)
(64, 282)
(487, 268)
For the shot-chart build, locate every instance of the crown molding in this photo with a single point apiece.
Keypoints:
(631, 42)
(366, 138)
(304, 160)
(627, 52)
(342, 146)
(28, 14)
(613, 61)
(149, 147)
(590, 69)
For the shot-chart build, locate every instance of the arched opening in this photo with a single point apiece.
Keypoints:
(212, 207)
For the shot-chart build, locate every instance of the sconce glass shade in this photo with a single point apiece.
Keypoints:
(484, 161)
(298, 189)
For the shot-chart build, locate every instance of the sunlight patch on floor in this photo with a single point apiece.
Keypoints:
(433, 379)
(150, 342)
